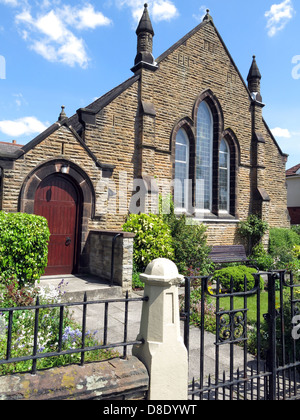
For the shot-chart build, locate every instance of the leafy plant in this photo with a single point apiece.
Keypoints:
(23, 246)
(263, 260)
(189, 242)
(153, 239)
(282, 240)
(136, 281)
(238, 274)
(283, 245)
(22, 334)
(253, 229)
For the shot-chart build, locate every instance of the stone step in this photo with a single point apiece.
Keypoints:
(73, 287)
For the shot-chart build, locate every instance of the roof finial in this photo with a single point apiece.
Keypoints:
(253, 80)
(145, 34)
(207, 17)
(145, 24)
(62, 115)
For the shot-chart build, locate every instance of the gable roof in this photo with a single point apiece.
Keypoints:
(253, 69)
(193, 32)
(13, 152)
(9, 150)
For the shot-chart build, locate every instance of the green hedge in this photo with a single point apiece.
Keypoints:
(23, 246)
(153, 239)
(238, 274)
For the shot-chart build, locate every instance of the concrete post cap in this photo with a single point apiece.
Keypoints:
(162, 271)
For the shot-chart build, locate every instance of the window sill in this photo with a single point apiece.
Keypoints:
(207, 217)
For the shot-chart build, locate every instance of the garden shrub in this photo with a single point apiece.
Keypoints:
(23, 246)
(262, 259)
(190, 246)
(282, 244)
(153, 239)
(189, 241)
(282, 239)
(238, 274)
(296, 228)
(253, 229)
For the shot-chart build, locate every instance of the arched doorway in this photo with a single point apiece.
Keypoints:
(58, 199)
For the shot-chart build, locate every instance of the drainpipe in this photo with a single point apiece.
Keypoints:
(113, 258)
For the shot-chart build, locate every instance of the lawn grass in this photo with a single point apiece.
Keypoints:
(251, 305)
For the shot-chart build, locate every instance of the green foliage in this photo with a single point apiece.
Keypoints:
(23, 246)
(189, 241)
(191, 249)
(238, 274)
(195, 309)
(296, 228)
(263, 260)
(253, 229)
(282, 240)
(11, 294)
(136, 281)
(282, 247)
(22, 334)
(153, 239)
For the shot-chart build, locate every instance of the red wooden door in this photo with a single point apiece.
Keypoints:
(57, 200)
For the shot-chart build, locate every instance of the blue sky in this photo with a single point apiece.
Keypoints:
(55, 53)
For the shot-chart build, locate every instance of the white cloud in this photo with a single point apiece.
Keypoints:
(85, 18)
(22, 127)
(278, 16)
(51, 29)
(159, 9)
(49, 36)
(202, 12)
(13, 3)
(163, 10)
(281, 132)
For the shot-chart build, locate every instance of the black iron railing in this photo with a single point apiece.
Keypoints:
(36, 354)
(273, 372)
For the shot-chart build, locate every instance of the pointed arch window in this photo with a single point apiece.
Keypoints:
(224, 176)
(206, 163)
(182, 151)
(204, 155)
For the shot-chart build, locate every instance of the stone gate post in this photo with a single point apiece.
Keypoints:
(163, 353)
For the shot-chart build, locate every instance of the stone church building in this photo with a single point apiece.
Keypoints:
(185, 123)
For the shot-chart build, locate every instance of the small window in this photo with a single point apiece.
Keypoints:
(224, 176)
(181, 170)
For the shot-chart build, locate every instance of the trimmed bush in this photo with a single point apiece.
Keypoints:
(238, 274)
(153, 239)
(23, 246)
